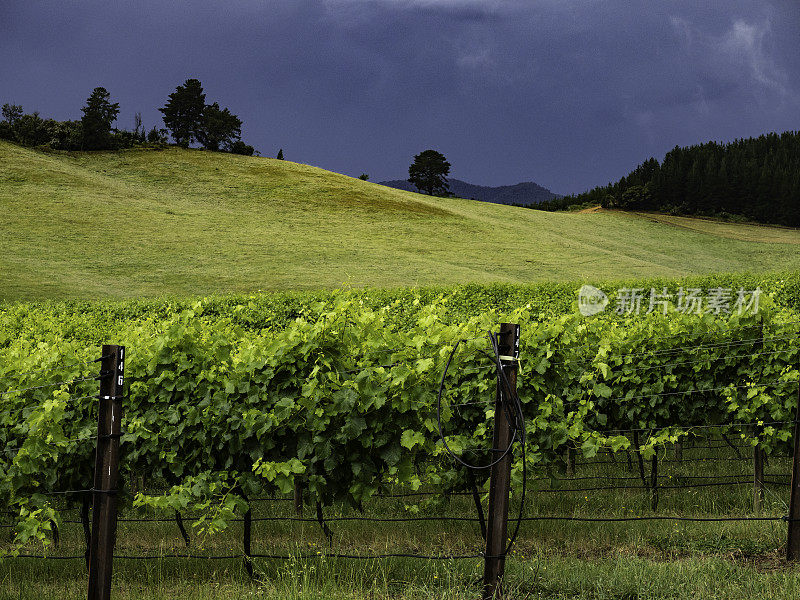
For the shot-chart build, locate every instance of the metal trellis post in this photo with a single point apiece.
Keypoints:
(106, 471)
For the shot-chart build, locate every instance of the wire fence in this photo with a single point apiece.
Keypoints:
(704, 443)
(614, 482)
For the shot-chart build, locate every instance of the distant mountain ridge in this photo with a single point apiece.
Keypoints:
(525, 193)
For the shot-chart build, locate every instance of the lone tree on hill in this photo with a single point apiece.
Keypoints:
(183, 111)
(429, 173)
(280, 154)
(98, 115)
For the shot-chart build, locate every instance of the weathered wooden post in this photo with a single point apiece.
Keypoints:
(793, 541)
(500, 483)
(758, 451)
(758, 479)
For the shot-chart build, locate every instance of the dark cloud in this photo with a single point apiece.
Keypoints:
(569, 94)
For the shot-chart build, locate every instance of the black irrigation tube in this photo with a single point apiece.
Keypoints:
(442, 436)
(660, 487)
(660, 476)
(411, 494)
(674, 460)
(189, 556)
(652, 518)
(427, 557)
(686, 448)
(470, 519)
(374, 556)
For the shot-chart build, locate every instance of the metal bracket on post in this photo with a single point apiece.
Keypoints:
(500, 482)
(106, 472)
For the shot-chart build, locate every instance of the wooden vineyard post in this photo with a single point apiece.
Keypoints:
(476, 498)
(298, 498)
(654, 481)
(106, 471)
(793, 541)
(500, 482)
(758, 451)
(247, 533)
(87, 532)
(569, 457)
(758, 479)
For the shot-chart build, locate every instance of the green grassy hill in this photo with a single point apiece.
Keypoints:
(146, 223)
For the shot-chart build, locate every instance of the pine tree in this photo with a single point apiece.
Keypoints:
(98, 116)
(280, 154)
(183, 112)
(12, 113)
(218, 128)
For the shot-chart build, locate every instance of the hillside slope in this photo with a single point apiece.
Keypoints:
(525, 193)
(145, 223)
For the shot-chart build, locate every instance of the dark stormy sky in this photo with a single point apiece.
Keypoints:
(567, 93)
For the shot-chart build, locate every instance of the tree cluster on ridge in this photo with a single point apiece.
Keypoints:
(188, 119)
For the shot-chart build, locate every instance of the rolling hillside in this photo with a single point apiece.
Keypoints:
(525, 193)
(147, 223)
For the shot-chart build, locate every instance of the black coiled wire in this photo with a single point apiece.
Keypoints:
(512, 407)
